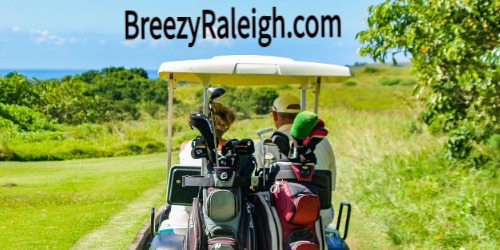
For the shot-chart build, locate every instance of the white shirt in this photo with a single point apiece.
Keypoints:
(325, 157)
(185, 157)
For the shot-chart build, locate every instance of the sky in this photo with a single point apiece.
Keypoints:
(71, 34)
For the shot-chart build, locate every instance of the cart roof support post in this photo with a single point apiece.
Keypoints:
(303, 92)
(316, 95)
(170, 121)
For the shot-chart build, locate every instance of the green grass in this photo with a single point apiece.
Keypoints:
(430, 204)
(52, 204)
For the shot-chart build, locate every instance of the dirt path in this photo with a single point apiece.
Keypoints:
(120, 231)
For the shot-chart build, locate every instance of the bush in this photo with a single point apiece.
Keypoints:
(16, 89)
(358, 64)
(6, 124)
(25, 118)
(349, 83)
(390, 82)
(263, 99)
(397, 81)
(408, 82)
(369, 69)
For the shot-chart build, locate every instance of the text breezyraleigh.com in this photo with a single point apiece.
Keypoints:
(210, 26)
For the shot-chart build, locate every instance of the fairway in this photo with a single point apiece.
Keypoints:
(53, 204)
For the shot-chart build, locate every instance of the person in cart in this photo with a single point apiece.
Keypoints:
(284, 110)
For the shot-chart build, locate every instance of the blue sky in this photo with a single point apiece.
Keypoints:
(90, 34)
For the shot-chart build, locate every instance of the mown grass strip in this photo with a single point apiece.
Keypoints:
(123, 226)
(53, 204)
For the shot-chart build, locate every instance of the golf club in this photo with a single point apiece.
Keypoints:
(214, 94)
(259, 133)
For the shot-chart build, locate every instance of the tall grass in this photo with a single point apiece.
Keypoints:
(394, 172)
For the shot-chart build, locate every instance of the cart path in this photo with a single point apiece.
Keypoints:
(120, 231)
(365, 232)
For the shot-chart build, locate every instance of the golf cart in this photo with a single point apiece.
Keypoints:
(229, 201)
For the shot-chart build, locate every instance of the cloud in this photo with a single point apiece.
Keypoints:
(213, 40)
(43, 36)
(131, 43)
(15, 28)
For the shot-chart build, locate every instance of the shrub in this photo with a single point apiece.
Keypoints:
(25, 118)
(349, 83)
(16, 89)
(358, 64)
(262, 99)
(369, 69)
(408, 82)
(390, 82)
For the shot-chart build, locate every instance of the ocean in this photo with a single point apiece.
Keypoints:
(46, 74)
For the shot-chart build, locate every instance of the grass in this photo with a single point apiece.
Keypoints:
(432, 205)
(53, 204)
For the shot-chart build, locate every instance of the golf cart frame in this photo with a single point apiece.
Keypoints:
(246, 70)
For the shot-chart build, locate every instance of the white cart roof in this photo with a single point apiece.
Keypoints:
(246, 70)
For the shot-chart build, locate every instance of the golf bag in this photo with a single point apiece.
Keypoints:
(297, 203)
(221, 216)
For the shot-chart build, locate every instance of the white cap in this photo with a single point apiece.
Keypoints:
(286, 104)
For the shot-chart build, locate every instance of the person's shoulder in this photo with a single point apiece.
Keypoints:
(184, 143)
(325, 143)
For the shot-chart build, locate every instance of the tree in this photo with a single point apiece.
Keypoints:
(263, 99)
(16, 89)
(65, 101)
(455, 51)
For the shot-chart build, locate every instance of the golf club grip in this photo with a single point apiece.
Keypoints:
(264, 130)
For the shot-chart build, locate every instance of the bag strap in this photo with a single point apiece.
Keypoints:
(199, 181)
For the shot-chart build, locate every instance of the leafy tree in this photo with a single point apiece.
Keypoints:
(140, 72)
(66, 102)
(155, 91)
(455, 51)
(263, 99)
(16, 89)
(123, 90)
(88, 76)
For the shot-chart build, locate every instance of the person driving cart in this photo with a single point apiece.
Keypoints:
(224, 118)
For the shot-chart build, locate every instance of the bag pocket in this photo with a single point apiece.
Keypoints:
(222, 231)
(302, 239)
(295, 203)
(221, 204)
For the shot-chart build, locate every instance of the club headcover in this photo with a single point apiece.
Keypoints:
(282, 142)
(244, 147)
(202, 123)
(228, 146)
(303, 123)
(318, 131)
(199, 148)
(313, 142)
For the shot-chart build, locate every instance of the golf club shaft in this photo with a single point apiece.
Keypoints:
(215, 133)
